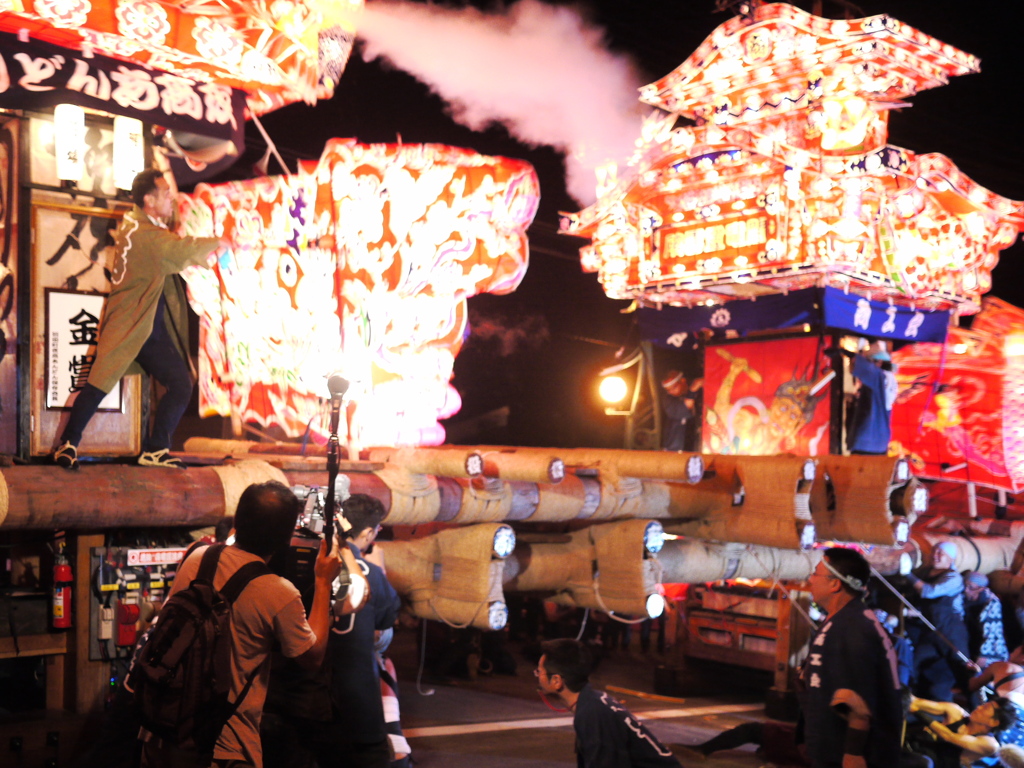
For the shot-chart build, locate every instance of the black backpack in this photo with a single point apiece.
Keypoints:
(182, 673)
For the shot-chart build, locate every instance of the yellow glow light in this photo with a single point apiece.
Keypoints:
(1014, 344)
(612, 389)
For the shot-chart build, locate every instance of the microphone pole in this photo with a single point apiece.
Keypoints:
(338, 386)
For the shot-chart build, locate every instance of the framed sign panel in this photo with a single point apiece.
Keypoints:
(72, 247)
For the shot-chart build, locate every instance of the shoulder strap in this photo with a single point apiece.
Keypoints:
(208, 565)
(240, 579)
(387, 678)
(1009, 678)
(198, 544)
(956, 724)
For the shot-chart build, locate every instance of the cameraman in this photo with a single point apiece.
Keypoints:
(336, 715)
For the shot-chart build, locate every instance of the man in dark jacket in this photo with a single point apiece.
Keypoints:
(607, 735)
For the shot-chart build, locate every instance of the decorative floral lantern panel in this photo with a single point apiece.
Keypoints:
(360, 263)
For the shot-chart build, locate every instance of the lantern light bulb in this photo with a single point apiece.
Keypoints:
(504, 542)
(654, 537)
(655, 605)
(497, 615)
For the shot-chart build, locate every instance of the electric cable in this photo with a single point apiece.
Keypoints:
(423, 661)
(583, 624)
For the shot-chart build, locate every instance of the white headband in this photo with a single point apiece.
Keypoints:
(851, 581)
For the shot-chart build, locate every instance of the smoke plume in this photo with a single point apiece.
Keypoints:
(529, 332)
(539, 70)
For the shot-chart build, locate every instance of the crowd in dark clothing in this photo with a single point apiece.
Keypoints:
(879, 692)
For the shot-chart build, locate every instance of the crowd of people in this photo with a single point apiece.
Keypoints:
(940, 691)
(937, 689)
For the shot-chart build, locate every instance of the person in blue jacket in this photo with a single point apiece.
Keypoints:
(939, 656)
(872, 425)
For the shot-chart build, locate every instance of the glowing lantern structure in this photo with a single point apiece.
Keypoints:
(960, 412)
(360, 263)
(787, 182)
(277, 51)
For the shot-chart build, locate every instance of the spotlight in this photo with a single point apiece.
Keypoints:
(613, 389)
(497, 615)
(654, 537)
(902, 471)
(809, 470)
(504, 542)
(655, 605)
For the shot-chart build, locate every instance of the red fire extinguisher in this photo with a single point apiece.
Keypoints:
(63, 580)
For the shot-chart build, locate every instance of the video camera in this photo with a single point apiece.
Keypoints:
(298, 561)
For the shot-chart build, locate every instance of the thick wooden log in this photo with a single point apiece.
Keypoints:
(454, 576)
(890, 561)
(603, 567)
(769, 503)
(430, 461)
(613, 463)
(112, 496)
(1006, 584)
(691, 561)
(105, 496)
(216, 445)
(974, 553)
(852, 499)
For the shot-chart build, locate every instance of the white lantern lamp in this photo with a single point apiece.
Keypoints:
(69, 142)
(129, 151)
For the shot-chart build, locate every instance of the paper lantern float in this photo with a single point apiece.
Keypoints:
(787, 182)
(278, 52)
(360, 263)
(960, 411)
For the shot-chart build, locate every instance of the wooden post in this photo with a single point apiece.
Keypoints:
(86, 681)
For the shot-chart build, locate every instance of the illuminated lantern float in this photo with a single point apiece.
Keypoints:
(360, 263)
(786, 193)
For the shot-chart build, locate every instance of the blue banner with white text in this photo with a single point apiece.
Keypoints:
(829, 308)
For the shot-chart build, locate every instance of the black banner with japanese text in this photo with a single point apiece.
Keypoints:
(37, 75)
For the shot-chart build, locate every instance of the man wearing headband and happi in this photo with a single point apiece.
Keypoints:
(851, 709)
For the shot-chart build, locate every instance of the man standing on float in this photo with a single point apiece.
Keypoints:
(145, 321)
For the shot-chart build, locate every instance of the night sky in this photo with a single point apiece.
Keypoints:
(548, 384)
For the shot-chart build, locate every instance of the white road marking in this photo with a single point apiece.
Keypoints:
(560, 722)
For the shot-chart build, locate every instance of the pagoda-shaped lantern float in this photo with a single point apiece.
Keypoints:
(785, 180)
